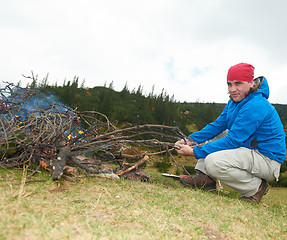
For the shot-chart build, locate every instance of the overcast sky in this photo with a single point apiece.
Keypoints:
(183, 46)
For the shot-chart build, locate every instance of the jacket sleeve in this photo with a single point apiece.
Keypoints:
(211, 130)
(244, 126)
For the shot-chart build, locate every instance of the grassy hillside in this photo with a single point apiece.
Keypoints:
(98, 208)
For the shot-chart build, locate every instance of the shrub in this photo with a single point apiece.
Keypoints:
(162, 166)
(281, 183)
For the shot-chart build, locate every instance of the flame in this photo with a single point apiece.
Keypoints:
(44, 165)
(70, 135)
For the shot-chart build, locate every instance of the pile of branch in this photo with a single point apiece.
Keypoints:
(62, 139)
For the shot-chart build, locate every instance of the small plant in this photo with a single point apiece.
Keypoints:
(162, 166)
(190, 169)
(281, 183)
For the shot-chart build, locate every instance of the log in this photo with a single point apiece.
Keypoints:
(60, 162)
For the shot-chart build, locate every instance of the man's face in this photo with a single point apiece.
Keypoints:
(238, 90)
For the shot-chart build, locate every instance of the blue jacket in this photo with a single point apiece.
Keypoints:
(252, 123)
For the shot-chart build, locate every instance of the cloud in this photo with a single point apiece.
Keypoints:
(185, 47)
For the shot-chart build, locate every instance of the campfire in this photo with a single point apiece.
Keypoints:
(37, 131)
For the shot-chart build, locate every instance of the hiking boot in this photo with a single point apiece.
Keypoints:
(256, 198)
(201, 181)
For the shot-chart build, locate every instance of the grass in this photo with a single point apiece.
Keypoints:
(99, 208)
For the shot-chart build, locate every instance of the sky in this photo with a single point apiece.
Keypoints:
(182, 46)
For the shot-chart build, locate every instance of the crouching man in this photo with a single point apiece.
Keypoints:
(254, 148)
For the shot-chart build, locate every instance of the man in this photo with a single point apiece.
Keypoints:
(254, 148)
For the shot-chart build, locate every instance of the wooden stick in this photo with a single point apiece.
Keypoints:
(145, 158)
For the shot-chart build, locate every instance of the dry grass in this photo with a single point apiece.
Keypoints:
(97, 208)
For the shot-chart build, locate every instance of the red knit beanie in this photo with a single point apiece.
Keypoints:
(241, 72)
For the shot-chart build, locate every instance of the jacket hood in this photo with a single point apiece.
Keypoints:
(263, 86)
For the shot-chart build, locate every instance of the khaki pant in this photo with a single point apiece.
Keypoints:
(241, 169)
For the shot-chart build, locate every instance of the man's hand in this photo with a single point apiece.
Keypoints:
(183, 149)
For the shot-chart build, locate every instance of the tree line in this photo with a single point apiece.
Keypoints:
(133, 106)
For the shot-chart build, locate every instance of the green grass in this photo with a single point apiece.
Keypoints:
(99, 208)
